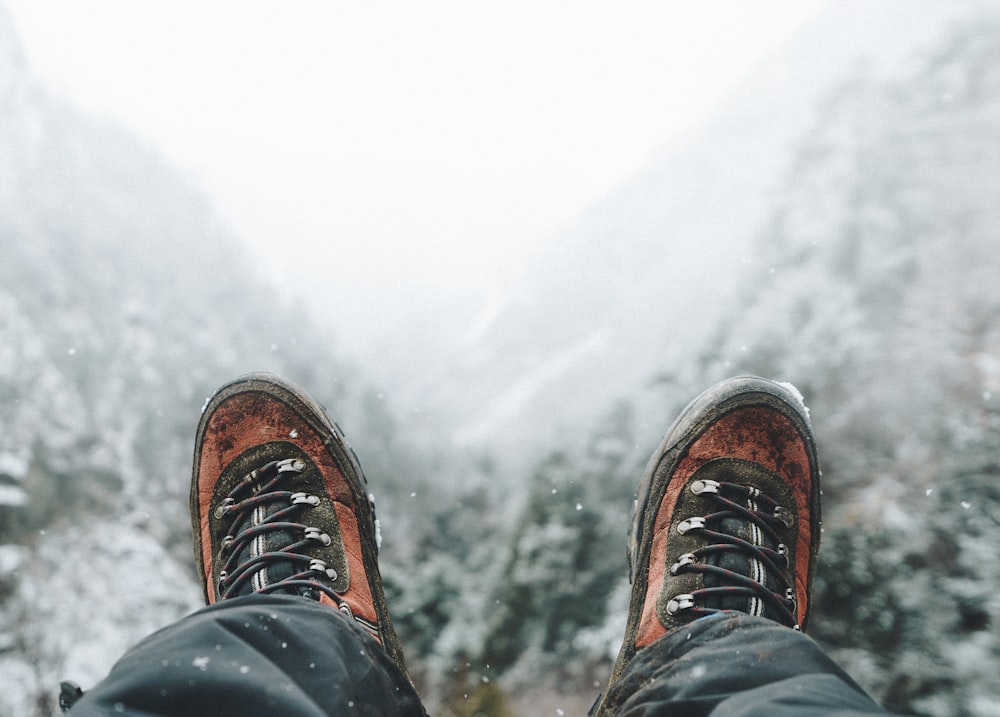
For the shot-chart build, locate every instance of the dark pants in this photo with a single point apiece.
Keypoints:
(279, 655)
(732, 665)
(256, 655)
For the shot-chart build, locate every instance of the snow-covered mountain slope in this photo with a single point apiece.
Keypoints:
(123, 304)
(858, 261)
(642, 278)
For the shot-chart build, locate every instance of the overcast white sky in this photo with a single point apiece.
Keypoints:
(416, 147)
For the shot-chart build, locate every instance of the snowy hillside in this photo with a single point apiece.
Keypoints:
(870, 281)
(123, 305)
(881, 301)
(635, 283)
(873, 288)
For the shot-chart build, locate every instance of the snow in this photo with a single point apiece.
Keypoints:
(141, 588)
(796, 394)
(14, 465)
(11, 558)
(518, 396)
(12, 495)
(880, 306)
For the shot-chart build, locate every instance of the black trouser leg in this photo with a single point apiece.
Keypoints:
(732, 665)
(256, 655)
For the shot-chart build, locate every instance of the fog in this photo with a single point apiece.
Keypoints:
(416, 175)
(391, 161)
(504, 246)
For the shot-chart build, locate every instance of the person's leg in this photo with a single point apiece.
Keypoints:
(733, 665)
(722, 552)
(286, 546)
(260, 654)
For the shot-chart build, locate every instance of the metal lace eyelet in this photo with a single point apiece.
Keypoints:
(224, 507)
(704, 486)
(291, 464)
(318, 535)
(319, 566)
(785, 516)
(303, 498)
(680, 602)
(690, 524)
(685, 559)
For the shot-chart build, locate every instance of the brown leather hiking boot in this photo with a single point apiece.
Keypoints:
(727, 516)
(278, 504)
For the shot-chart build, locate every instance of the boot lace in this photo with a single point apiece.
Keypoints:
(764, 517)
(259, 506)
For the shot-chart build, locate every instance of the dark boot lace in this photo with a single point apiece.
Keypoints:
(747, 573)
(267, 543)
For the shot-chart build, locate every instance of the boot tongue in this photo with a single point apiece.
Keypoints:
(739, 561)
(273, 570)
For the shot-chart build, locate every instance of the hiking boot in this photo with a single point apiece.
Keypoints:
(727, 516)
(278, 505)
